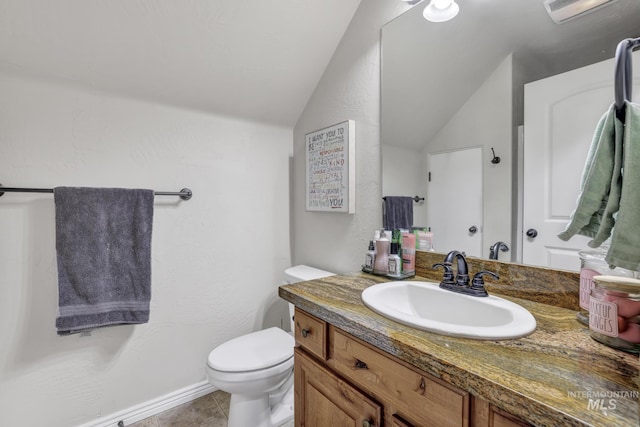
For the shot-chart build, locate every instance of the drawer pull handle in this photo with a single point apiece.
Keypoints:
(361, 365)
(305, 333)
(367, 423)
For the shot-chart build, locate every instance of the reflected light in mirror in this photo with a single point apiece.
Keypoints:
(441, 10)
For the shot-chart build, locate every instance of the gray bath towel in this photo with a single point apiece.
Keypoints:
(398, 212)
(103, 244)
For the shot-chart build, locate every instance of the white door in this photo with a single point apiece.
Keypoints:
(560, 116)
(454, 203)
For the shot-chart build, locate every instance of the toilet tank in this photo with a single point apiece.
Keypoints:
(300, 273)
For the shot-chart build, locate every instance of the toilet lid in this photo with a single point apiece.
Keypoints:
(254, 351)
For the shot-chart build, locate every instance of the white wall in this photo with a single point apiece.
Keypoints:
(348, 89)
(485, 120)
(217, 259)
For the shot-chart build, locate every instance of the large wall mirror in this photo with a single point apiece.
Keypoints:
(454, 92)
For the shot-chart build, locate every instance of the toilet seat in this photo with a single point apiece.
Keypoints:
(256, 351)
(257, 369)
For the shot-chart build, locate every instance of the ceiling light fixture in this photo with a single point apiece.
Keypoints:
(441, 10)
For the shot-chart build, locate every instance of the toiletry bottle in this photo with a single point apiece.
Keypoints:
(370, 257)
(421, 242)
(395, 262)
(429, 239)
(409, 252)
(381, 263)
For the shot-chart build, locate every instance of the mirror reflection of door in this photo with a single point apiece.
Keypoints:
(455, 200)
(561, 114)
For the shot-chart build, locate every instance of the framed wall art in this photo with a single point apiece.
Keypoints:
(331, 168)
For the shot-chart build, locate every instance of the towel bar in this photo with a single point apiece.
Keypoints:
(415, 198)
(185, 193)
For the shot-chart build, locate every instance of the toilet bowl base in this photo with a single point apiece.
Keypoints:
(283, 411)
(255, 411)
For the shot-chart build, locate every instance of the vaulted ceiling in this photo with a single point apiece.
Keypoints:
(254, 59)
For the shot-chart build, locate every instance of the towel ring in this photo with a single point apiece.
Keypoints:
(623, 74)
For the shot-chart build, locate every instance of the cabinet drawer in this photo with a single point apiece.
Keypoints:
(420, 398)
(311, 333)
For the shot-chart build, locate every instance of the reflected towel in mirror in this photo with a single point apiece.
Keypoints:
(398, 212)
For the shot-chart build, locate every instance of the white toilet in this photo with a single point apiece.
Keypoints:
(257, 369)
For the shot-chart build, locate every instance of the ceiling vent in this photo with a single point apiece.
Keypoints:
(565, 10)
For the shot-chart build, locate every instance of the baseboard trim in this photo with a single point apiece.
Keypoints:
(154, 406)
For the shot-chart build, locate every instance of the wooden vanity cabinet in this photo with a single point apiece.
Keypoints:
(343, 381)
(417, 397)
(324, 399)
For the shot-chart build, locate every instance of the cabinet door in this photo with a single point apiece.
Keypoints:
(499, 418)
(397, 422)
(322, 399)
(485, 414)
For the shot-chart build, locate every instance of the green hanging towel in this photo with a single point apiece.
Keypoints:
(600, 185)
(625, 241)
(609, 202)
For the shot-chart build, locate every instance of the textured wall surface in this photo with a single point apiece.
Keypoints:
(348, 89)
(202, 249)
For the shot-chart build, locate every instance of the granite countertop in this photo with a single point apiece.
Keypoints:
(554, 377)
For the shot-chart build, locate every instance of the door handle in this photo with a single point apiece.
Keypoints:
(532, 233)
(473, 229)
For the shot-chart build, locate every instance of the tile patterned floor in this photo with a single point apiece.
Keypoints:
(211, 410)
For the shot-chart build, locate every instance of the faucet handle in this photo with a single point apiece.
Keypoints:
(477, 284)
(478, 280)
(447, 278)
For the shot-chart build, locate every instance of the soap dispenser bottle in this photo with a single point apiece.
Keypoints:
(381, 263)
(395, 262)
(370, 257)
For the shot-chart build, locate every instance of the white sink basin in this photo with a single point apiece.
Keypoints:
(424, 305)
